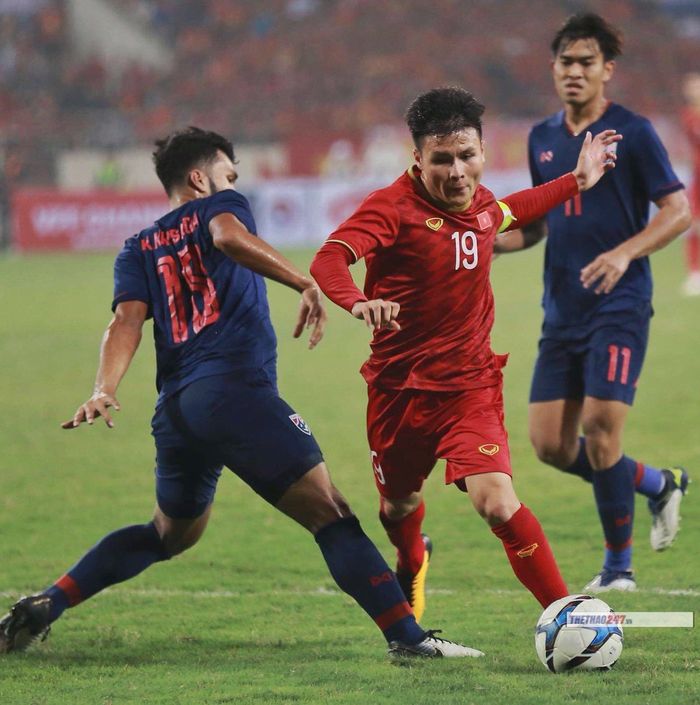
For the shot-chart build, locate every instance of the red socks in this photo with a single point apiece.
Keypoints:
(405, 534)
(692, 251)
(526, 546)
(531, 557)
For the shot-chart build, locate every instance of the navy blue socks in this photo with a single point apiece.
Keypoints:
(117, 557)
(614, 494)
(648, 480)
(359, 570)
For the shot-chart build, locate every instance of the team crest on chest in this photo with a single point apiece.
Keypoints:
(484, 220)
(434, 223)
(300, 423)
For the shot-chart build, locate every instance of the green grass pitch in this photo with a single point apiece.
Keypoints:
(250, 615)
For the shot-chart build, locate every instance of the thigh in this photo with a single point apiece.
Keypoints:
(401, 450)
(245, 425)
(554, 425)
(472, 434)
(558, 372)
(186, 475)
(614, 358)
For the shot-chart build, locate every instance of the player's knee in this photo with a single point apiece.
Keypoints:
(175, 544)
(602, 445)
(178, 536)
(553, 452)
(325, 509)
(496, 509)
(397, 509)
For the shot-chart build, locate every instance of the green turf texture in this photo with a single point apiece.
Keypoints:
(250, 615)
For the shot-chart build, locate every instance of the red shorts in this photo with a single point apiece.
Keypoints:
(409, 430)
(694, 196)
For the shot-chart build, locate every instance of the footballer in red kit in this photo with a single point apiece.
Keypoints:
(690, 118)
(434, 383)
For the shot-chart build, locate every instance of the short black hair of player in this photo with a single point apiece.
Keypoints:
(442, 111)
(588, 25)
(180, 152)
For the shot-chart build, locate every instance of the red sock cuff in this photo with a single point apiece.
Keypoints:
(405, 535)
(522, 521)
(411, 519)
(70, 589)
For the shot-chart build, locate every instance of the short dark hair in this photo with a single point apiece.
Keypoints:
(181, 151)
(588, 25)
(441, 111)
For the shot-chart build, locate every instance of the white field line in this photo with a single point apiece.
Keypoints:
(320, 591)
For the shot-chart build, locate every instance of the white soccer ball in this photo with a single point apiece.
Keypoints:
(578, 632)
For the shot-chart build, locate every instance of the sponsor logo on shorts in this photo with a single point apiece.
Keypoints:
(528, 550)
(489, 449)
(434, 223)
(300, 423)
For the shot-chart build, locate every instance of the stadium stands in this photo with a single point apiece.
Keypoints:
(264, 70)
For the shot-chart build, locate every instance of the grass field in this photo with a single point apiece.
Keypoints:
(250, 615)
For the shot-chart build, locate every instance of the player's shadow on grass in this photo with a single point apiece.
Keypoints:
(186, 650)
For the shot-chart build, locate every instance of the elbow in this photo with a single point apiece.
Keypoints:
(316, 269)
(686, 217)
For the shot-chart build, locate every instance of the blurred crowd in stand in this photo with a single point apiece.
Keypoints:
(278, 70)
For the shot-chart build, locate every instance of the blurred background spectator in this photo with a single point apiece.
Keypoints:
(320, 84)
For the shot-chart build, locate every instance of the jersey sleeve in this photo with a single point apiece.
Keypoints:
(229, 201)
(535, 175)
(651, 161)
(524, 207)
(130, 280)
(375, 224)
(330, 270)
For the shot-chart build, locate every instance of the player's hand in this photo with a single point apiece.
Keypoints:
(597, 155)
(606, 269)
(312, 312)
(378, 313)
(95, 406)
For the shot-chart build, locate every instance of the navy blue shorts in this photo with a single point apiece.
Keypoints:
(605, 364)
(225, 420)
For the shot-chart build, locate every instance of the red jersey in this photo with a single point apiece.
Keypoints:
(435, 264)
(691, 124)
(690, 118)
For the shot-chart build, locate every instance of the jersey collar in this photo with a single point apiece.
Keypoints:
(565, 125)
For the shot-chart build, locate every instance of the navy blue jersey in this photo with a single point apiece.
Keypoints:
(614, 210)
(210, 314)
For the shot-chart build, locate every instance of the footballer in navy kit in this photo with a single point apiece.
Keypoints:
(198, 272)
(598, 294)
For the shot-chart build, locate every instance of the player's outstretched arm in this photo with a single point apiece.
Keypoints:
(119, 344)
(521, 239)
(330, 269)
(597, 156)
(672, 218)
(233, 239)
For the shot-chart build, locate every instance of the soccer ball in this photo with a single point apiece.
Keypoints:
(594, 643)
